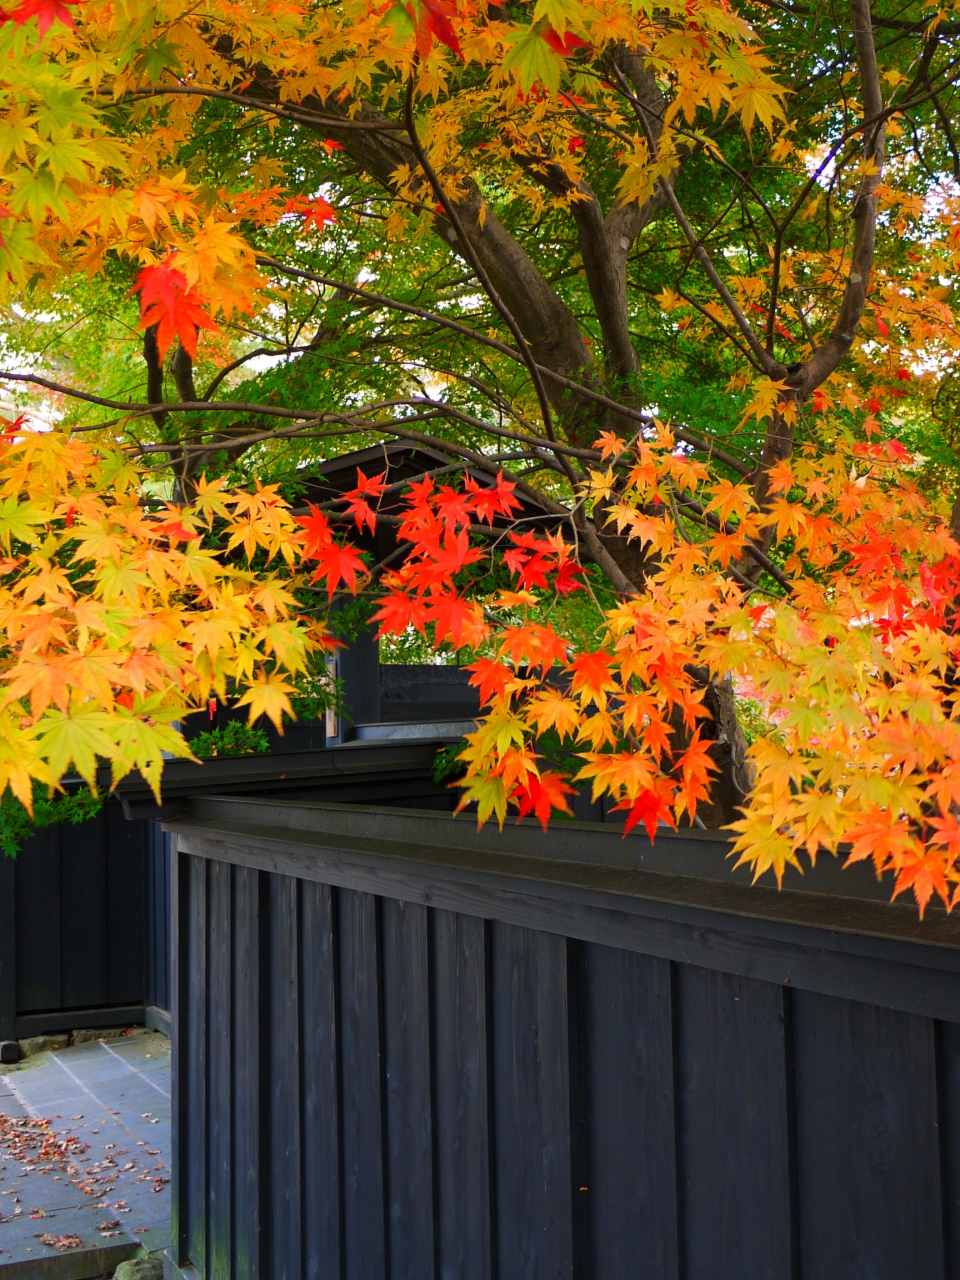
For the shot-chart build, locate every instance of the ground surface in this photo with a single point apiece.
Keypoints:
(84, 1158)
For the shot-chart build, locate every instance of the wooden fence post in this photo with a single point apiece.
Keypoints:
(8, 952)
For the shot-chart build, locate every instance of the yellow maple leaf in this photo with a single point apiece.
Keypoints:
(268, 695)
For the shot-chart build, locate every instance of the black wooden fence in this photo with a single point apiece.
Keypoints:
(74, 920)
(404, 1049)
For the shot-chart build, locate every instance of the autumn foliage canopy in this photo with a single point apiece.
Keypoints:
(679, 277)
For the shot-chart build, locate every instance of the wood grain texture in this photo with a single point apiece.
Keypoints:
(250, 974)
(195, 992)
(948, 1087)
(734, 1128)
(631, 1177)
(409, 1119)
(220, 1091)
(38, 920)
(285, 1081)
(8, 948)
(868, 1143)
(180, 1138)
(322, 1199)
(364, 1217)
(83, 917)
(76, 918)
(461, 1091)
(531, 1104)
(157, 971)
(125, 906)
(658, 916)
(455, 1095)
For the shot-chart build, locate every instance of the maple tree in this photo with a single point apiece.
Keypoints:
(681, 273)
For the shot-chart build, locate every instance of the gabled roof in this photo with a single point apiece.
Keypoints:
(400, 461)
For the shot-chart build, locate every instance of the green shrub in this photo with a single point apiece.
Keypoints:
(237, 739)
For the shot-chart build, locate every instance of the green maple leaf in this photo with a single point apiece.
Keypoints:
(35, 194)
(18, 520)
(532, 60)
(76, 739)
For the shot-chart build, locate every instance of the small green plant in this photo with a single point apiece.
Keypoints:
(237, 739)
(447, 766)
(754, 723)
(17, 826)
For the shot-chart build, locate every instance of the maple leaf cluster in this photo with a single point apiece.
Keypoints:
(121, 616)
(855, 663)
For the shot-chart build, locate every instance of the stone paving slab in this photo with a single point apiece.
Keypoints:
(111, 1104)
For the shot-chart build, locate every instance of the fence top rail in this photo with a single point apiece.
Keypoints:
(688, 868)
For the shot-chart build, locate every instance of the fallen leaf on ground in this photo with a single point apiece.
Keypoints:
(61, 1242)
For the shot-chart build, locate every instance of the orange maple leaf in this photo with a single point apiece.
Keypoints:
(167, 302)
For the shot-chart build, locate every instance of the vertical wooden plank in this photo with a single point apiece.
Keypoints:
(285, 1192)
(8, 948)
(125, 871)
(531, 1104)
(38, 923)
(365, 1228)
(579, 1092)
(157, 977)
(735, 1139)
(195, 1130)
(83, 894)
(406, 1021)
(868, 1143)
(248, 1073)
(631, 1168)
(321, 1095)
(949, 1094)
(459, 962)
(220, 1223)
(179, 1057)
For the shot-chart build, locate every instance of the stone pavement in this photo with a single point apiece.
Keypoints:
(93, 1179)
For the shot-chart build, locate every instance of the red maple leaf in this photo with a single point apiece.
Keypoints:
(458, 619)
(649, 807)
(318, 212)
(537, 644)
(876, 554)
(566, 44)
(167, 301)
(176, 531)
(337, 564)
(530, 570)
(452, 506)
(490, 677)
(542, 795)
(432, 18)
(317, 535)
(448, 558)
(47, 12)
(357, 505)
(566, 579)
(489, 501)
(10, 428)
(399, 611)
(696, 767)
